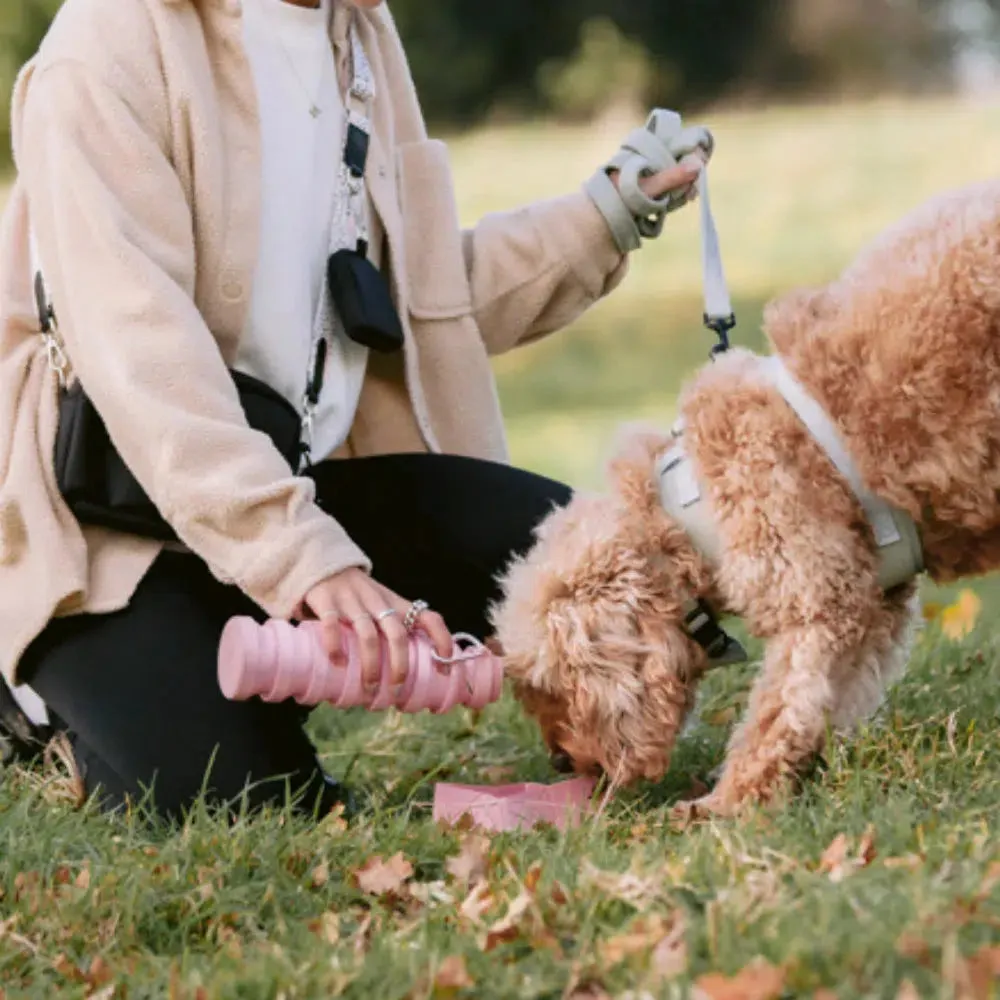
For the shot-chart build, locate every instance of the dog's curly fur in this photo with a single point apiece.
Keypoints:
(903, 352)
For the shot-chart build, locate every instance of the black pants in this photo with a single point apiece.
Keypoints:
(137, 689)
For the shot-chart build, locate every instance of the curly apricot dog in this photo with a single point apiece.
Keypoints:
(902, 355)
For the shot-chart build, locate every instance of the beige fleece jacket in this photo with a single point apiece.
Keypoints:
(136, 140)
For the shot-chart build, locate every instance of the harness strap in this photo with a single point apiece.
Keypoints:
(896, 535)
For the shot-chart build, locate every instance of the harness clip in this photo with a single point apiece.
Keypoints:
(720, 326)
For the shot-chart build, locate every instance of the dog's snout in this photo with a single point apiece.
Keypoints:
(562, 762)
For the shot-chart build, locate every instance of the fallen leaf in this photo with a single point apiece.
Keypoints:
(907, 991)
(431, 893)
(836, 861)
(662, 937)
(959, 619)
(452, 976)
(508, 927)
(327, 927)
(98, 974)
(912, 946)
(382, 878)
(670, 956)
(724, 717)
(866, 849)
(974, 975)
(588, 991)
(834, 858)
(638, 890)
(320, 875)
(479, 901)
(82, 881)
(757, 981)
(103, 994)
(532, 876)
(472, 863)
(932, 611)
(68, 969)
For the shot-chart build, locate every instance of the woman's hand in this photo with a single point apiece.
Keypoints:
(680, 178)
(373, 611)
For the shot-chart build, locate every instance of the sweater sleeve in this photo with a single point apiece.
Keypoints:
(537, 269)
(116, 239)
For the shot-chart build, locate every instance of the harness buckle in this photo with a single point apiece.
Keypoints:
(720, 326)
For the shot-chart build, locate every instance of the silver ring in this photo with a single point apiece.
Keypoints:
(388, 613)
(417, 608)
(361, 618)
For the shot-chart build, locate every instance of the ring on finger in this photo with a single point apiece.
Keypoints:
(387, 613)
(364, 617)
(417, 608)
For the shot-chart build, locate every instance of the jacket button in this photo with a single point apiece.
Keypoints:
(232, 288)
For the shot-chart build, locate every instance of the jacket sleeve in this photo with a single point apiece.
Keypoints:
(116, 241)
(535, 270)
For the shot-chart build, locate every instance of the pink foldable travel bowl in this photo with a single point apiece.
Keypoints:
(515, 807)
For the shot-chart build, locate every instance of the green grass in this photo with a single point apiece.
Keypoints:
(269, 907)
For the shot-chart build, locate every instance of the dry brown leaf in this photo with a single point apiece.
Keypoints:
(974, 975)
(472, 863)
(452, 976)
(757, 981)
(834, 857)
(107, 993)
(98, 974)
(382, 878)
(509, 926)
(959, 619)
(866, 849)
(320, 875)
(670, 956)
(479, 901)
(68, 969)
(913, 946)
(907, 991)
(990, 881)
(327, 927)
(588, 991)
(836, 860)
(559, 896)
(82, 881)
(639, 891)
(532, 876)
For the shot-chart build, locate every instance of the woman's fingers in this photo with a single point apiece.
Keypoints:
(433, 624)
(323, 606)
(368, 639)
(683, 175)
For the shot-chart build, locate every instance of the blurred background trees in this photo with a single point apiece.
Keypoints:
(487, 59)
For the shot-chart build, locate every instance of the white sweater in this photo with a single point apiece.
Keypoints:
(293, 67)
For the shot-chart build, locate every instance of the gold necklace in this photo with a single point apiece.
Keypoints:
(314, 109)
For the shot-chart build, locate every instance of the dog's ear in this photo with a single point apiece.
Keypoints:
(631, 722)
(795, 316)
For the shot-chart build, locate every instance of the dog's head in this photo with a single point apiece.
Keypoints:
(591, 625)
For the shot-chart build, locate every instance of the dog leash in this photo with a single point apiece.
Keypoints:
(719, 316)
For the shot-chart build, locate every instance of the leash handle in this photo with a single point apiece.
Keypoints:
(719, 316)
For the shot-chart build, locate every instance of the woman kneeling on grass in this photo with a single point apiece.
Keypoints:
(186, 169)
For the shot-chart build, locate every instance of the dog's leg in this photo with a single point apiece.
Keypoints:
(813, 676)
(882, 660)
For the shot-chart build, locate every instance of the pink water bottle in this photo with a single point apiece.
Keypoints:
(277, 660)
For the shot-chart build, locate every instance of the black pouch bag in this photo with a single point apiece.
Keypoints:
(98, 486)
(361, 297)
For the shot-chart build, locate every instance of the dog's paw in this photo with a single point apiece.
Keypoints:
(710, 806)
